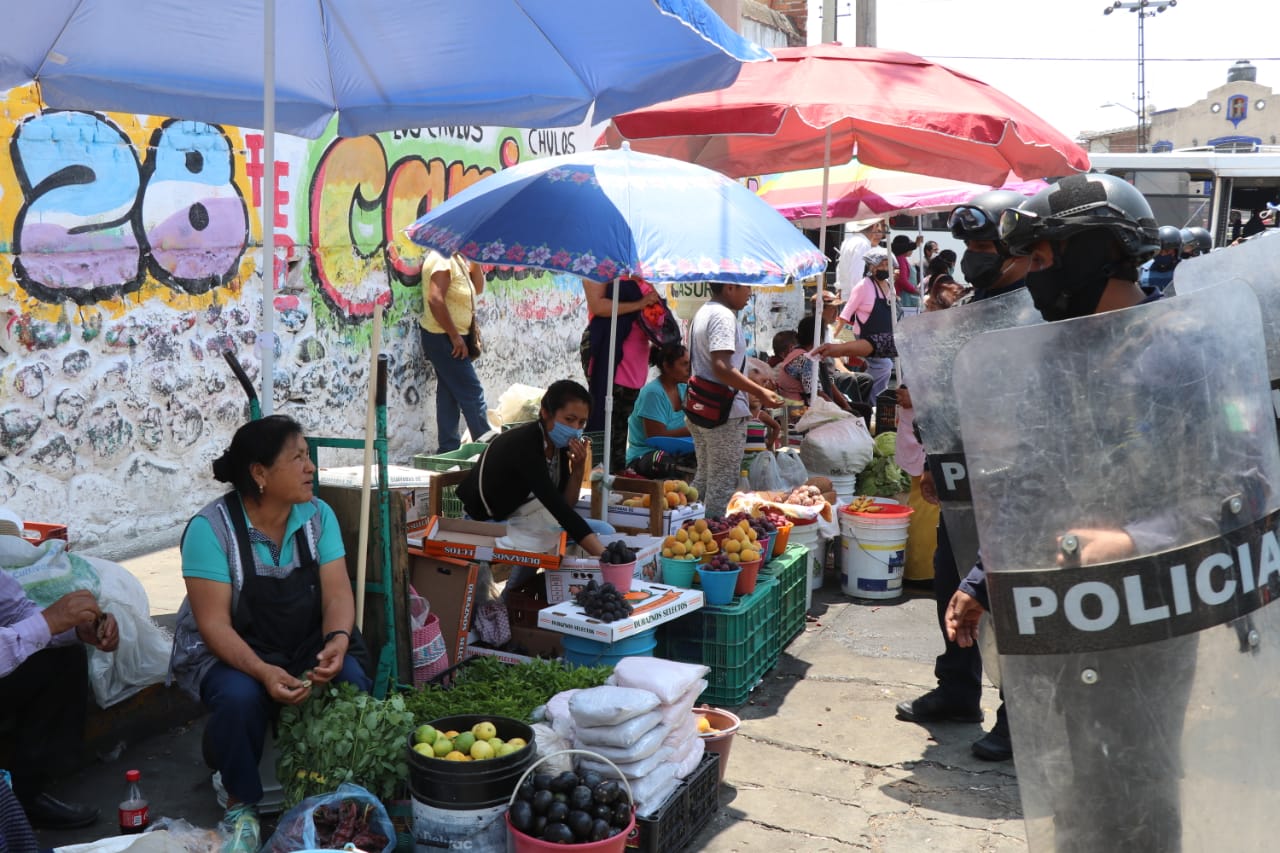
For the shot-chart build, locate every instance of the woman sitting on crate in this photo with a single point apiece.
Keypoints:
(269, 610)
(658, 442)
(530, 477)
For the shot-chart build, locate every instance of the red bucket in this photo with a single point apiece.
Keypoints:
(747, 577)
(616, 843)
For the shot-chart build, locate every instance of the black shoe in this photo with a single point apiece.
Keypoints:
(934, 707)
(996, 745)
(45, 811)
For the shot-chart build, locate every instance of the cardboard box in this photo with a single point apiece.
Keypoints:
(476, 540)
(653, 603)
(413, 483)
(651, 520)
(449, 585)
(577, 569)
(539, 643)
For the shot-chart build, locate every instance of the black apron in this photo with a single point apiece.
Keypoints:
(878, 329)
(282, 619)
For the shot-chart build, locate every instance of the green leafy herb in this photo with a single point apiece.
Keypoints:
(486, 685)
(343, 735)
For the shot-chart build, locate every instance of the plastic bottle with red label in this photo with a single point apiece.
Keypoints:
(135, 816)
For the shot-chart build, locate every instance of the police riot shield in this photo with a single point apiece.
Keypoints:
(927, 344)
(1126, 501)
(1257, 263)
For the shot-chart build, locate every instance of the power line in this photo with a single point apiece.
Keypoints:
(1102, 58)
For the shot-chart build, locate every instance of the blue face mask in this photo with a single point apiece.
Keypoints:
(561, 434)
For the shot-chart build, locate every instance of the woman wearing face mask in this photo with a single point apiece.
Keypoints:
(530, 476)
(868, 312)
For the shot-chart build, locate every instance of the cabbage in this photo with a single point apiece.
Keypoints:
(886, 444)
(883, 478)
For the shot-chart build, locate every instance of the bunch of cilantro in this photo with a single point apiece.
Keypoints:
(486, 685)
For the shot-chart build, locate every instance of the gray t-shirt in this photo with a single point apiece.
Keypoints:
(715, 329)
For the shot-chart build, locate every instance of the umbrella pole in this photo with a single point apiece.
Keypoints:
(818, 336)
(370, 431)
(267, 340)
(608, 397)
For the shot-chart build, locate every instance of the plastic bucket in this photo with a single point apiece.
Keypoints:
(807, 535)
(584, 652)
(766, 545)
(470, 785)
(522, 843)
(873, 549)
(781, 539)
(619, 574)
(718, 587)
(721, 742)
(678, 572)
(478, 830)
(844, 485)
(748, 574)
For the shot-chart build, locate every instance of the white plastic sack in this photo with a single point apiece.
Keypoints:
(623, 733)
(641, 749)
(652, 791)
(821, 412)
(843, 447)
(763, 474)
(790, 469)
(558, 713)
(675, 712)
(46, 571)
(634, 770)
(681, 731)
(548, 741)
(609, 705)
(142, 658)
(666, 679)
(518, 404)
(692, 757)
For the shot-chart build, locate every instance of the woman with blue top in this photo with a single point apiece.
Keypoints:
(269, 609)
(656, 427)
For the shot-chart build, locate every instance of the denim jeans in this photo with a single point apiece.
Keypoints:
(458, 389)
(240, 711)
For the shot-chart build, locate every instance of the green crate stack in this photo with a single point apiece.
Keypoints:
(736, 640)
(450, 506)
(597, 445)
(789, 569)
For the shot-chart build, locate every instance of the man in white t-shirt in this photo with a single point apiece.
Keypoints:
(849, 269)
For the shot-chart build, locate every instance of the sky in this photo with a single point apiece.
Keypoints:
(1021, 42)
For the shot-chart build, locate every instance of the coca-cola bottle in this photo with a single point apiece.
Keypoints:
(134, 814)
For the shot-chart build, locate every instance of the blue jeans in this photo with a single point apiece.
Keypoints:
(458, 389)
(239, 712)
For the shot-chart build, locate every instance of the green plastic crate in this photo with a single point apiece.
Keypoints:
(732, 624)
(450, 506)
(789, 568)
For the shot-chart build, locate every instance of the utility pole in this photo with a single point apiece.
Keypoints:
(864, 21)
(1144, 9)
(828, 21)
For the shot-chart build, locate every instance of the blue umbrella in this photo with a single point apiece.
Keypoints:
(620, 214)
(378, 64)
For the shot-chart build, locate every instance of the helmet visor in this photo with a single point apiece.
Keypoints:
(971, 223)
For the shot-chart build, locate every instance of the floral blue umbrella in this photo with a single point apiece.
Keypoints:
(609, 214)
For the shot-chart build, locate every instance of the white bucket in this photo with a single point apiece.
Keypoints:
(475, 830)
(807, 535)
(872, 554)
(843, 485)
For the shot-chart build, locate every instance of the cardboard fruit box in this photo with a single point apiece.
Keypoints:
(653, 604)
(413, 483)
(477, 540)
(652, 519)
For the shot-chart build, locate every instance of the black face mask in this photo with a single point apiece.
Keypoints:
(1073, 286)
(1164, 263)
(881, 275)
(981, 269)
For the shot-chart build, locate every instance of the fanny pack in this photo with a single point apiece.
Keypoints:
(708, 403)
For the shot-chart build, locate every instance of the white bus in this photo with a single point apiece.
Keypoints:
(1199, 186)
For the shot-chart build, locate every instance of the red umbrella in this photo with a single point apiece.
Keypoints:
(890, 109)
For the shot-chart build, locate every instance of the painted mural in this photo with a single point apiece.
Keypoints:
(130, 261)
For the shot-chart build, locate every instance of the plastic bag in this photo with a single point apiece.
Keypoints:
(652, 791)
(641, 749)
(764, 475)
(361, 821)
(682, 731)
(692, 757)
(841, 447)
(47, 571)
(142, 658)
(666, 679)
(518, 404)
(634, 770)
(674, 713)
(608, 705)
(550, 742)
(790, 469)
(621, 734)
(558, 713)
(821, 412)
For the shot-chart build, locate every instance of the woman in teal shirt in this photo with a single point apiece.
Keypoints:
(657, 422)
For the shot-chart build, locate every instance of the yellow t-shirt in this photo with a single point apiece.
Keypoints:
(457, 299)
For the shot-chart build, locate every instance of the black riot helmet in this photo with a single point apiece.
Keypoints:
(1170, 238)
(1189, 246)
(1202, 239)
(1079, 203)
(979, 218)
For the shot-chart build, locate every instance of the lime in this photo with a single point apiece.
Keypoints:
(484, 730)
(480, 750)
(463, 742)
(424, 734)
(443, 746)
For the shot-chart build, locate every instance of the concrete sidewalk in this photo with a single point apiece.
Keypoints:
(819, 763)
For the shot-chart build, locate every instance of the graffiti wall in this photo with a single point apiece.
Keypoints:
(130, 261)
